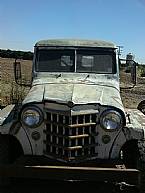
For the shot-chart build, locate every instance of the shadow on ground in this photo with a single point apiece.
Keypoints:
(39, 186)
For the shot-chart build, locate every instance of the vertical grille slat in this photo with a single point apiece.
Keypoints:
(70, 137)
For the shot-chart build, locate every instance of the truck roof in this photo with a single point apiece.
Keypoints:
(75, 43)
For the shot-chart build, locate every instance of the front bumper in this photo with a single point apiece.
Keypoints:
(66, 173)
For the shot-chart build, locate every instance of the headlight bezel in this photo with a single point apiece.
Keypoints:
(35, 109)
(116, 113)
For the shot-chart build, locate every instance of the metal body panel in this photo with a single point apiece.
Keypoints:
(134, 130)
(111, 150)
(25, 141)
(6, 114)
(135, 119)
(75, 42)
(35, 145)
(105, 149)
(35, 94)
(63, 90)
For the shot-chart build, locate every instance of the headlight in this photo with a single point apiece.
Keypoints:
(111, 120)
(32, 117)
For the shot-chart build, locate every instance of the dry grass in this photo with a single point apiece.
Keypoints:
(8, 88)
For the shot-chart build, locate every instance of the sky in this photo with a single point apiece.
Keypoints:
(24, 22)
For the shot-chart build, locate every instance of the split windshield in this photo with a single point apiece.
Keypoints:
(89, 61)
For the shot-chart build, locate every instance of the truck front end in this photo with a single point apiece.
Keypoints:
(73, 116)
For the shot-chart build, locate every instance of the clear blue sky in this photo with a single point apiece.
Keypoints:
(23, 22)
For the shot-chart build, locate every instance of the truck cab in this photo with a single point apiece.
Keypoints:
(73, 114)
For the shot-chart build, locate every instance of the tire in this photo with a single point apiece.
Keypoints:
(141, 107)
(132, 160)
(141, 165)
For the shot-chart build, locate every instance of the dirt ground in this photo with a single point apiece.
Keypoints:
(131, 95)
(44, 186)
(8, 87)
(9, 90)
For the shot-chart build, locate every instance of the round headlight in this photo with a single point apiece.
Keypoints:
(31, 117)
(111, 120)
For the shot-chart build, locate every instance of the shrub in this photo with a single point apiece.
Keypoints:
(141, 70)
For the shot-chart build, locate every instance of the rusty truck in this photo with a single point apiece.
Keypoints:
(72, 124)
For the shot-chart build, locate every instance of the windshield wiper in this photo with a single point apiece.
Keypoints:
(58, 75)
(86, 77)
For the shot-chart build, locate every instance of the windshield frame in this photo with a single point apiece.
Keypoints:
(110, 51)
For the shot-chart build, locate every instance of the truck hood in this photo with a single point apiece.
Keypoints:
(78, 93)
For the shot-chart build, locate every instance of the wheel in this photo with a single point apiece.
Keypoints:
(141, 107)
(141, 164)
(130, 154)
(132, 159)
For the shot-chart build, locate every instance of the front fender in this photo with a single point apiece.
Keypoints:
(23, 139)
(7, 114)
(134, 130)
(127, 134)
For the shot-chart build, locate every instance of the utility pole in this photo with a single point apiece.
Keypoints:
(119, 50)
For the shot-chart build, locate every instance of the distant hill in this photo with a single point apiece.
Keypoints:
(16, 54)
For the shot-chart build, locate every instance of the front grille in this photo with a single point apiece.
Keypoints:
(70, 138)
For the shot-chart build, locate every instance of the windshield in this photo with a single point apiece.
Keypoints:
(89, 61)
